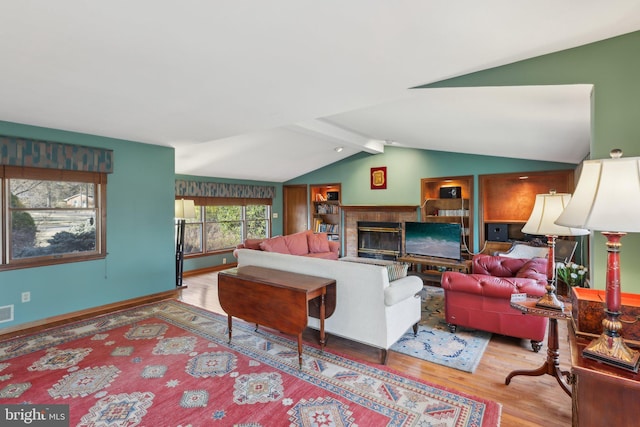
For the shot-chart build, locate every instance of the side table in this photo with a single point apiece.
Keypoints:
(552, 365)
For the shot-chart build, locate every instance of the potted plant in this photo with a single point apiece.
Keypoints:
(571, 275)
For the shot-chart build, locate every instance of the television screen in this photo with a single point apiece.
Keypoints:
(434, 239)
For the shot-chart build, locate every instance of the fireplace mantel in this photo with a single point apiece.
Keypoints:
(380, 213)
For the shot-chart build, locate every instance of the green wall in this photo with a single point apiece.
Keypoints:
(140, 230)
(406, 167)
(613, 67)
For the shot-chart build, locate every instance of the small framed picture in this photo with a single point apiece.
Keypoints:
(379, 178)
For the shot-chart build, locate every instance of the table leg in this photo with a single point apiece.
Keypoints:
(322, 314)
(229, 322)
(552, 365)
(300, 350)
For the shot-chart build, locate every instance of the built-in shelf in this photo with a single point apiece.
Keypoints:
(450, 200)
(325, 210)
(506, 200)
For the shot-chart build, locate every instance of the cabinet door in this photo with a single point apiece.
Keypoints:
(296, 212)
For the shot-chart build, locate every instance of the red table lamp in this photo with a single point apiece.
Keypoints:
(607, 199)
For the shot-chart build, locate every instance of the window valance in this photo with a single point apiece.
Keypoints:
(54, 155)
(227, 201)
(192, 189)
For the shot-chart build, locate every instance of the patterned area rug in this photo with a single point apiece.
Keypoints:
(170, 364)
(434, 343)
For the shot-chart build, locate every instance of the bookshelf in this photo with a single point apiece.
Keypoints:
(326, 211)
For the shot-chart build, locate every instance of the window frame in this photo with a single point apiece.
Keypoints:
(202, 202)
(55, 175)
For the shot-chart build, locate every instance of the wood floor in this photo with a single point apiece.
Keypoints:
(526, 401)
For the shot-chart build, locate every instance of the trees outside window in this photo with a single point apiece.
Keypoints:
(223, 227)
(54, 217)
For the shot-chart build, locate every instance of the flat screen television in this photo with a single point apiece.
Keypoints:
(435, 239)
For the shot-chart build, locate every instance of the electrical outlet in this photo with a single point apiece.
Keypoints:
(224, 260)
(26, 296)
(275, 215)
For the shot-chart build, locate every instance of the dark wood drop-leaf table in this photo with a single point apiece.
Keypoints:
(277, 299)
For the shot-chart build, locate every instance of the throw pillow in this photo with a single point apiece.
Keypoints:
(297, 243)
(318, 243)
(397, 270)
(275, 244)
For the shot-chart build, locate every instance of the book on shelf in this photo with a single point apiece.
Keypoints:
(452, 212)
(323, 227)
(327, 208)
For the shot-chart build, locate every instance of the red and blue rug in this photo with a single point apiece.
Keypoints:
(170, 364)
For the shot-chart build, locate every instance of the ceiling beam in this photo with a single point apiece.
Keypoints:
(326, 130)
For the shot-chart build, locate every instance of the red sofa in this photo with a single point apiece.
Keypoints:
(304, 243)
(482, 300)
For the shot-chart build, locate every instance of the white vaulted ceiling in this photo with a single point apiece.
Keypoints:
(266, 90)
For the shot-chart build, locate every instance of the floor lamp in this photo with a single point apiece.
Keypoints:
(545, 212)
(184, 209)
(607, 199)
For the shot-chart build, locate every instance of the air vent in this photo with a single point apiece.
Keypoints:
(6, 313)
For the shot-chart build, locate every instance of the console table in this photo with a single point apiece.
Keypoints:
(434, 266)
(603, 395)
(277, 299)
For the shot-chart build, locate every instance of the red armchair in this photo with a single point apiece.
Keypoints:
(482, 300)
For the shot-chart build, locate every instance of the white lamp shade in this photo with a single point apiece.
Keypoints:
(607, 197)
(185, 209)
(545, 211)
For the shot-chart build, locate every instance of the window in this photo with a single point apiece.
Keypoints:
(52, 216)
(223, 227)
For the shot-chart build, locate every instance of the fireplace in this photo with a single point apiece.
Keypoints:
(353, 214)
(379, 240)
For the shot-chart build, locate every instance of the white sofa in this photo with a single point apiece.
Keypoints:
(525, 251)
(369, 309)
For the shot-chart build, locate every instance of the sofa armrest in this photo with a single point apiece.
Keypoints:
(334, 246)
(401, 289)
(235, 251)
(490, 286)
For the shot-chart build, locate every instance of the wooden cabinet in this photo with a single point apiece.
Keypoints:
(602, 395)
(449, 199)
(506, 200)
(325, 211)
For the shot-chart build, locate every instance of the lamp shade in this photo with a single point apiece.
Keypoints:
(607, 197)
(545, 212)
(185, 209)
